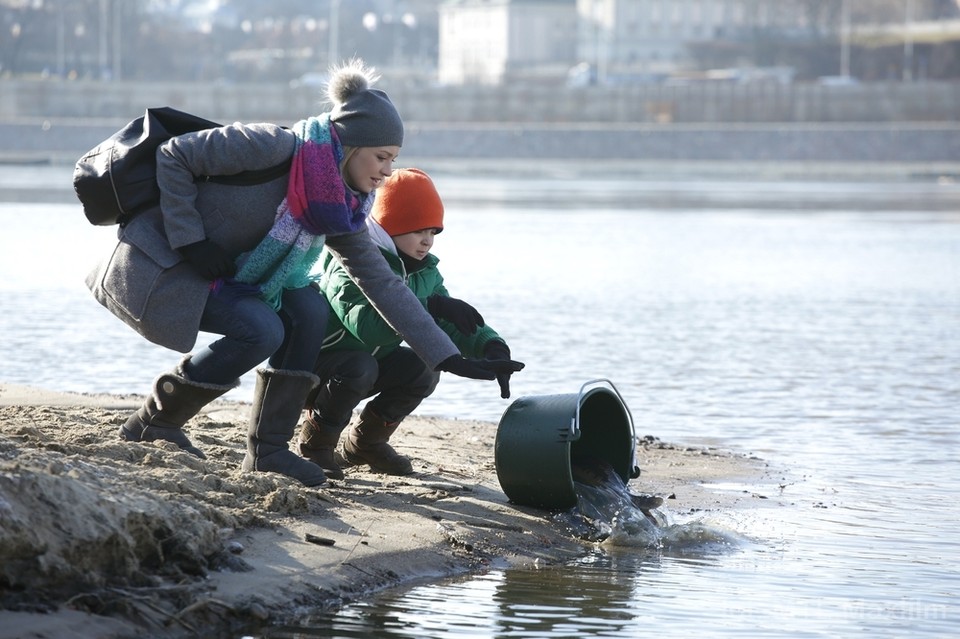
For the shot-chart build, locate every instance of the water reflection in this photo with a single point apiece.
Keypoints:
(589, 599)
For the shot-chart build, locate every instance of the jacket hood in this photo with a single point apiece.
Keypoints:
(380, 237)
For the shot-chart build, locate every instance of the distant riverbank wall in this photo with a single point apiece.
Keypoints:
(59, 120)
(692, 103)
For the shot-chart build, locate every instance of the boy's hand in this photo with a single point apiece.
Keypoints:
(498, 350)
(465, 317)
(479, 368)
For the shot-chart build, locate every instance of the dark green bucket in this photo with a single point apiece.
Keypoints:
(539, 437)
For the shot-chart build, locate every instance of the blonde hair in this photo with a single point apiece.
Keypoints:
(348, 152)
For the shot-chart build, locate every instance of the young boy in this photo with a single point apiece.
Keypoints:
(362, 355)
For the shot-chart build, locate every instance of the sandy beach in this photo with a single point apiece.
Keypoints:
(103, 538)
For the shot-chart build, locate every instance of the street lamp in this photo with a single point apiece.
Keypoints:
(844, 39)
(907, 42)
(333, 44)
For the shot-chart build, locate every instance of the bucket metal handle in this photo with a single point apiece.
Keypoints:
(575, 422)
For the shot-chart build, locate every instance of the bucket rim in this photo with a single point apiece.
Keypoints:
(575, 422)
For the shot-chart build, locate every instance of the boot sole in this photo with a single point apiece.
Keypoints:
(356, 460)
(287, 466)
(332, 472)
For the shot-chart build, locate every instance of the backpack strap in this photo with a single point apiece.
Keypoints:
(249, 178)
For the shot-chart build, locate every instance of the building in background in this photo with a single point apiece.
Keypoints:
(490, 42)
(590, 41)
(637, 40)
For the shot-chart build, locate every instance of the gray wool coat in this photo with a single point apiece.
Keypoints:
(146, 283)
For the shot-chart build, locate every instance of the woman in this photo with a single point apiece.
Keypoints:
(233, 261)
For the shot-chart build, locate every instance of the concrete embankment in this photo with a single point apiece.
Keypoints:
(887, 151)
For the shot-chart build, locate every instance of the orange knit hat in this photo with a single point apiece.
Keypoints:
(407, 201)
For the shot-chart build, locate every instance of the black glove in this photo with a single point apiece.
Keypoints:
(209, 260)
(478, 368)
(498, 350)
(464, 317)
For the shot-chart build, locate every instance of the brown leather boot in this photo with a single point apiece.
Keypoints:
(366, 443)
(317, 442)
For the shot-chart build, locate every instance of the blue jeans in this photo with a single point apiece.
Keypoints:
(253, 332)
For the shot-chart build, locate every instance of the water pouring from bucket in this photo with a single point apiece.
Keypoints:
(607, 510)
(574, 454)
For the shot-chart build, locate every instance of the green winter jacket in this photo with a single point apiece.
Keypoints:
(354, 323)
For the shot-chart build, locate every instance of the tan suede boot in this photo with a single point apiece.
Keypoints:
(366, 443)
(317, 442)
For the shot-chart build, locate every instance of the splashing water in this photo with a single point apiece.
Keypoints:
(609, 514)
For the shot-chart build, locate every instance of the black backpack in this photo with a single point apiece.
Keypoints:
(117, 179)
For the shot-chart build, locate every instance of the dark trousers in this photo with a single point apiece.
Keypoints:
(400, 381)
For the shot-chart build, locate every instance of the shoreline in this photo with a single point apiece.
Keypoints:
(658, 169)
(114, 539)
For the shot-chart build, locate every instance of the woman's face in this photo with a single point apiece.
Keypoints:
(368, 166)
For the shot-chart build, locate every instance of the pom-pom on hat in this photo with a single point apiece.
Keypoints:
(362, 116)
(407, 201)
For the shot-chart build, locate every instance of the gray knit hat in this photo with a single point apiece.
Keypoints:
(362, 116)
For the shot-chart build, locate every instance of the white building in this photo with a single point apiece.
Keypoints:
(492, 41)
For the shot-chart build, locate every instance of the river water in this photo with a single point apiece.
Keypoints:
(814, 325)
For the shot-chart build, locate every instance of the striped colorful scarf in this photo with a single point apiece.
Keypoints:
(317, 204)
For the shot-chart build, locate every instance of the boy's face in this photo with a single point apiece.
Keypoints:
(369, 166)
(416, 244)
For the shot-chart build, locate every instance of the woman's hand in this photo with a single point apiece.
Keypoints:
(209, 260)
